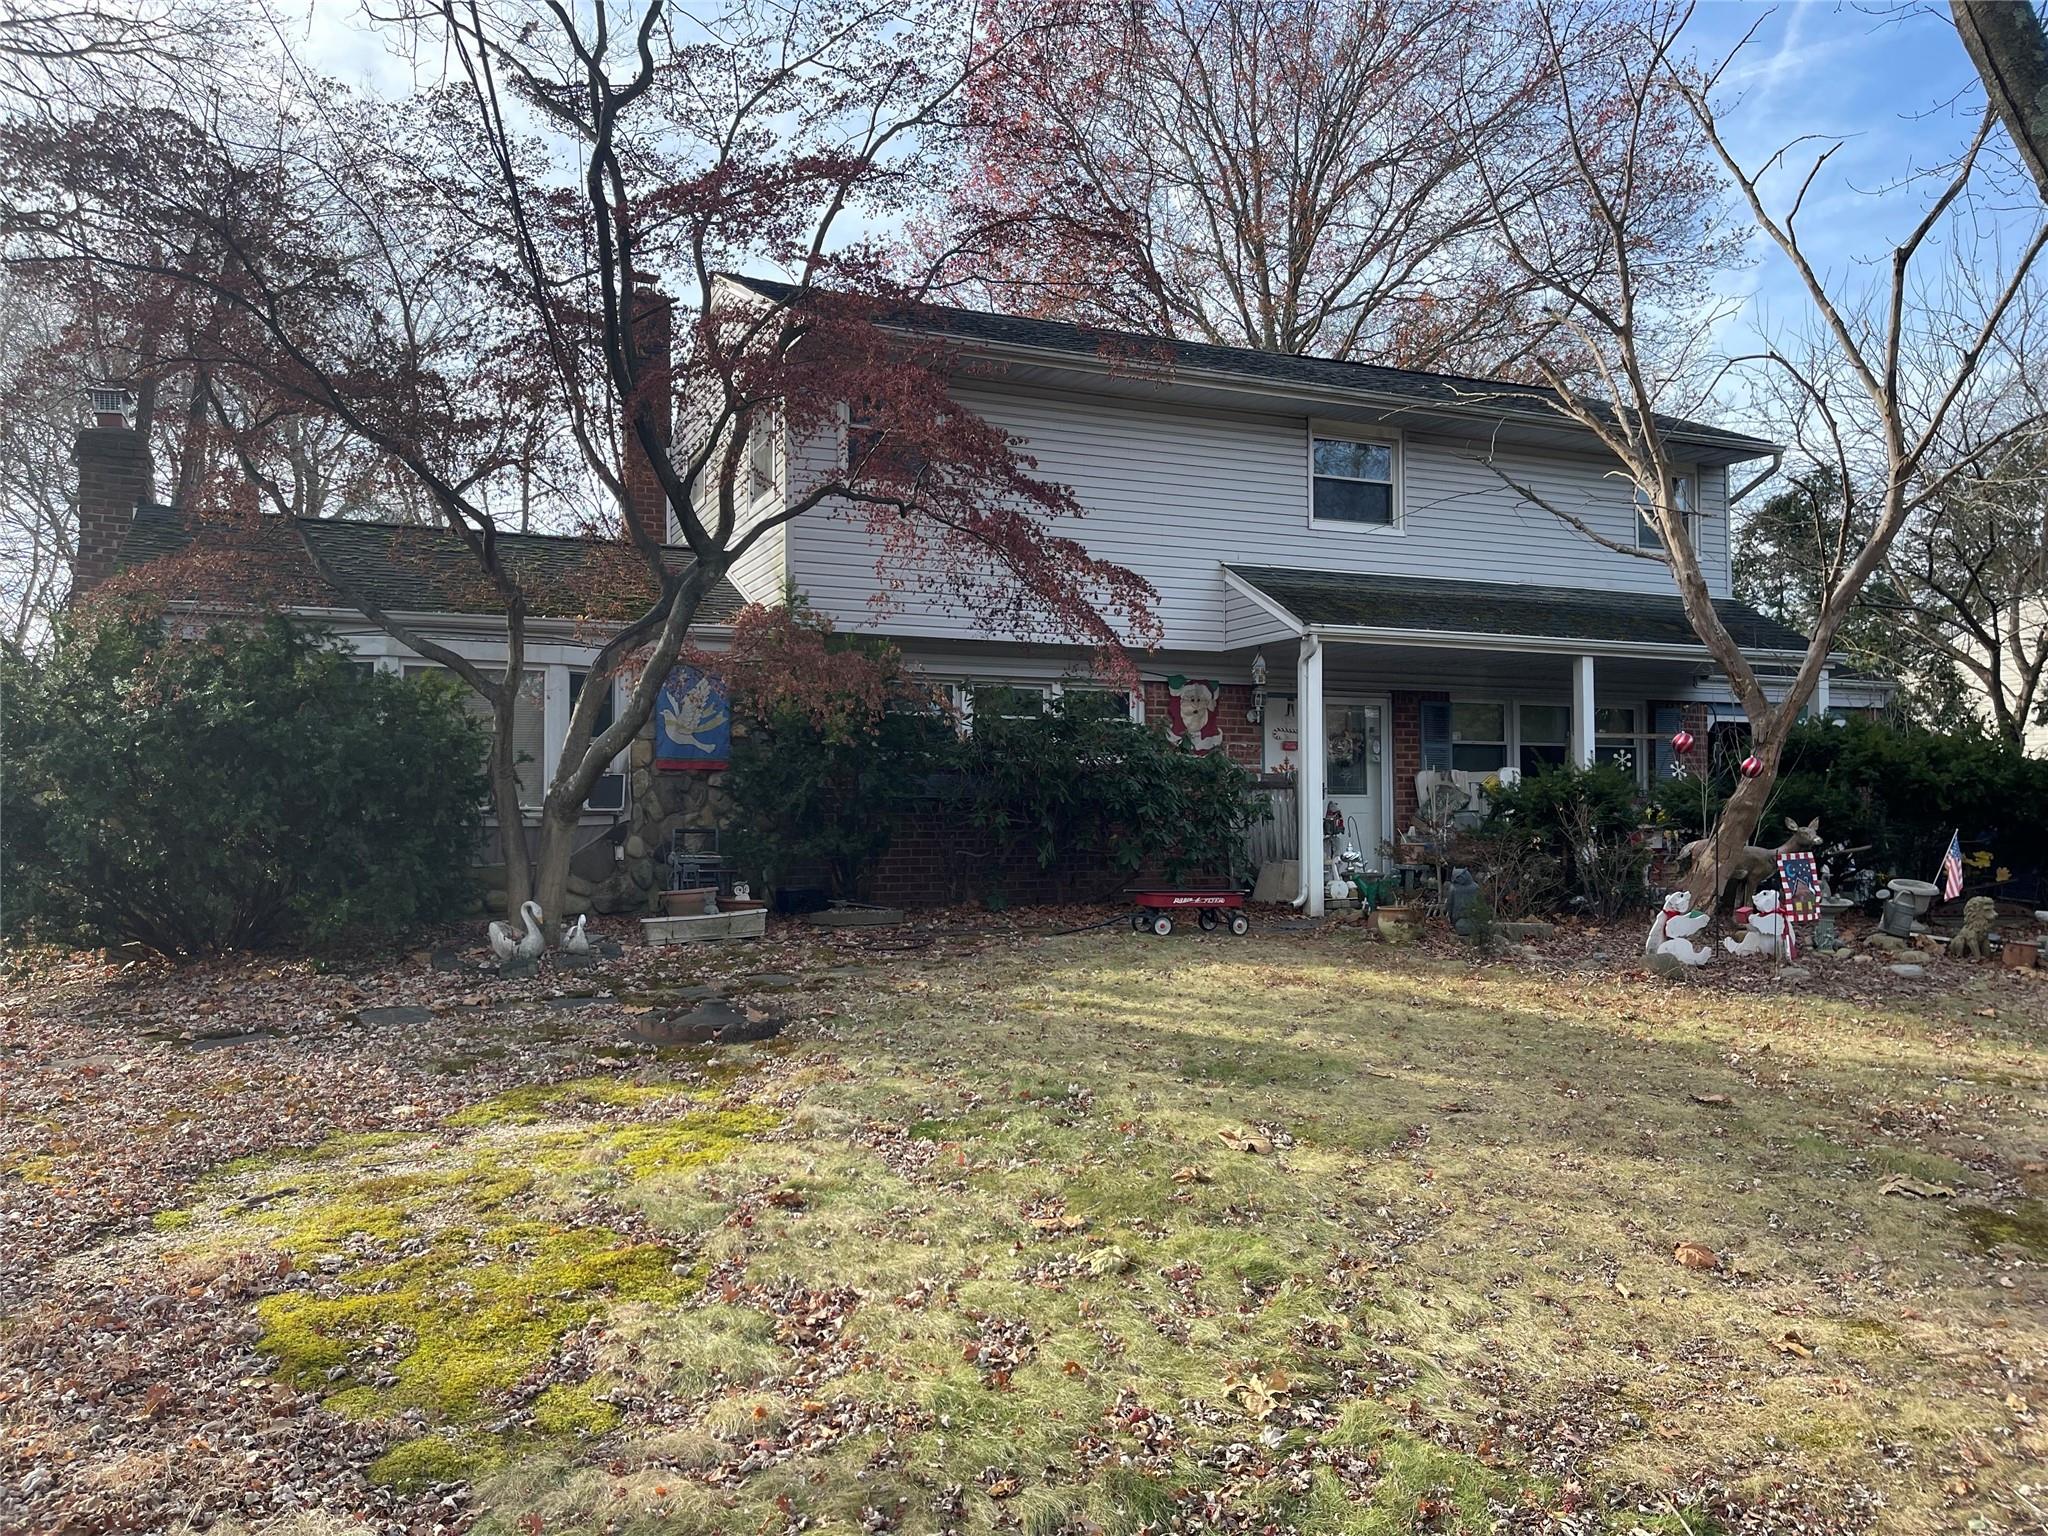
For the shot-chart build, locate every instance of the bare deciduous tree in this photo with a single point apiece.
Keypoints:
(1885, 376)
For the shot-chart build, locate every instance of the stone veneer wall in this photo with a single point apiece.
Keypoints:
(658, 802)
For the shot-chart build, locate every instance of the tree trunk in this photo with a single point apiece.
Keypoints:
(1736, 826)
(551, 866)
(511, 819)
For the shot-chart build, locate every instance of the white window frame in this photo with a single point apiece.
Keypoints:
(1346, 432)
(1638, 740)
(1685, 489)
(1510, 746)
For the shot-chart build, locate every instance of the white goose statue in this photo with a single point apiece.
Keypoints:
(525, 947)
(574, 940)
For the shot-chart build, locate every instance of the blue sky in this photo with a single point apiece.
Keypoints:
(1892, 81)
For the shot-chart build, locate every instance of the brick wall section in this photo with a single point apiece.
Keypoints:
(1693, 715)
(1241, 738)
(652, 329)
(1407, 732)
(114, 473)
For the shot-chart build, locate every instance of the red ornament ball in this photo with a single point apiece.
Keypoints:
(1682, 743)
(1752, 766)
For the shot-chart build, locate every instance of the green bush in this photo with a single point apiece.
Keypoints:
(1077, 787)
(1076, 783)
(1904, 790)
(244, 788)
(806, 794)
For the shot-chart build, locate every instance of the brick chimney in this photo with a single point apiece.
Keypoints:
(114, 474)
(653, 337)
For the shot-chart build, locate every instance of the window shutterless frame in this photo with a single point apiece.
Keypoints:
(1352, 472)
(1684, 487)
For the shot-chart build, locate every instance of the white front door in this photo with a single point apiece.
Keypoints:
(1355, 746)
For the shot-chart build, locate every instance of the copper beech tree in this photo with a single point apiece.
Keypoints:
(546, 230)
(1901, 375)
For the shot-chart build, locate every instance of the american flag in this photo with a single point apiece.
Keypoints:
(1952, 867)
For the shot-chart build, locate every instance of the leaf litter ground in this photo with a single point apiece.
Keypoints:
(1090, 1232)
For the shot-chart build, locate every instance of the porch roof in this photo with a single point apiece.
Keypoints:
(1421, 609)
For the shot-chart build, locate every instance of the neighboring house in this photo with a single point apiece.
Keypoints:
(1349, 593)
(426, 579)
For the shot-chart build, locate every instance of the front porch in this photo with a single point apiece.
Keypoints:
(1378, 689)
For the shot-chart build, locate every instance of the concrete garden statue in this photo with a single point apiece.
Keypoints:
(509, 947)
(1673, 931)
(1979, 913)
(1767, 930)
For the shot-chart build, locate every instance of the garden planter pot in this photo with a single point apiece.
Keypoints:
(1398, 924)
(690, 903)
(2021, 954)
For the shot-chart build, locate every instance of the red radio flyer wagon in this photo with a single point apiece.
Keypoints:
(1156, 909)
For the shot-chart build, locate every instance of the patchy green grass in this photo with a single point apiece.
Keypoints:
(977, 1254)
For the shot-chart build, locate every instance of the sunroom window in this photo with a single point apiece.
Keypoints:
(1352, 481)
(1618, 739)
(529, 726)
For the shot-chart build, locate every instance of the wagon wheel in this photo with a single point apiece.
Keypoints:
(1162, 925)
(1140, 920)
(1208, 922)
(1240, 924)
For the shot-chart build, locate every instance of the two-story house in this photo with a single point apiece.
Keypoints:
(1350, 590)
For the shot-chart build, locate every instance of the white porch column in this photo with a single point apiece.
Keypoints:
(1820, 695)
(1582, 711)
(1308, 777)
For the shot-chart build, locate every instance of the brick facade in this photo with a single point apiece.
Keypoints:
(114, 473)
(1693, 716)
(1241, 736)
(1406, 729)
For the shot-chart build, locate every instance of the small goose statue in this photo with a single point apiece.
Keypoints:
(574, 940)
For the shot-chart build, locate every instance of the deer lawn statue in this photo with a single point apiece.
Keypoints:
(1753, 865)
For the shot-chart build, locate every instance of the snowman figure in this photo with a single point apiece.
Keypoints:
(1767, 930)
(1673, 931)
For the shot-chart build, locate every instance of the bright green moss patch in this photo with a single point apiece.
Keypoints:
(171, 1221)
(688, 1141)
(434, 1460)
(573, 1410)
(467, 1318)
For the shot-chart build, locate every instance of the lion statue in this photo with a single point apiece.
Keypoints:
(1979, 913)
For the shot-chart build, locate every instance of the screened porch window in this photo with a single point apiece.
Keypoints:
(1618, 739)
(529, 727)
(608, 790)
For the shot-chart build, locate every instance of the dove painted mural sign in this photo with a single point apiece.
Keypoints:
(692, 722)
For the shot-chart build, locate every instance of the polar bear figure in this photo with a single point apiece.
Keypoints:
(1767, 933)
(1673, 931)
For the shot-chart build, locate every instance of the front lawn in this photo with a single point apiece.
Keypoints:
(1106, 1233)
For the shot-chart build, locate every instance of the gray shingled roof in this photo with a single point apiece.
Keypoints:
(1358, 600)
(1370, 381)
(400, 567)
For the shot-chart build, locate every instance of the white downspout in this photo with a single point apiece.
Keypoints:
(1308, 773)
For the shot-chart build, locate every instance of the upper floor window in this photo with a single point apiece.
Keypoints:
(1353, 481)
(1647, 536)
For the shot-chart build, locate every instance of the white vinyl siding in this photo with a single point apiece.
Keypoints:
(1175, 493)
